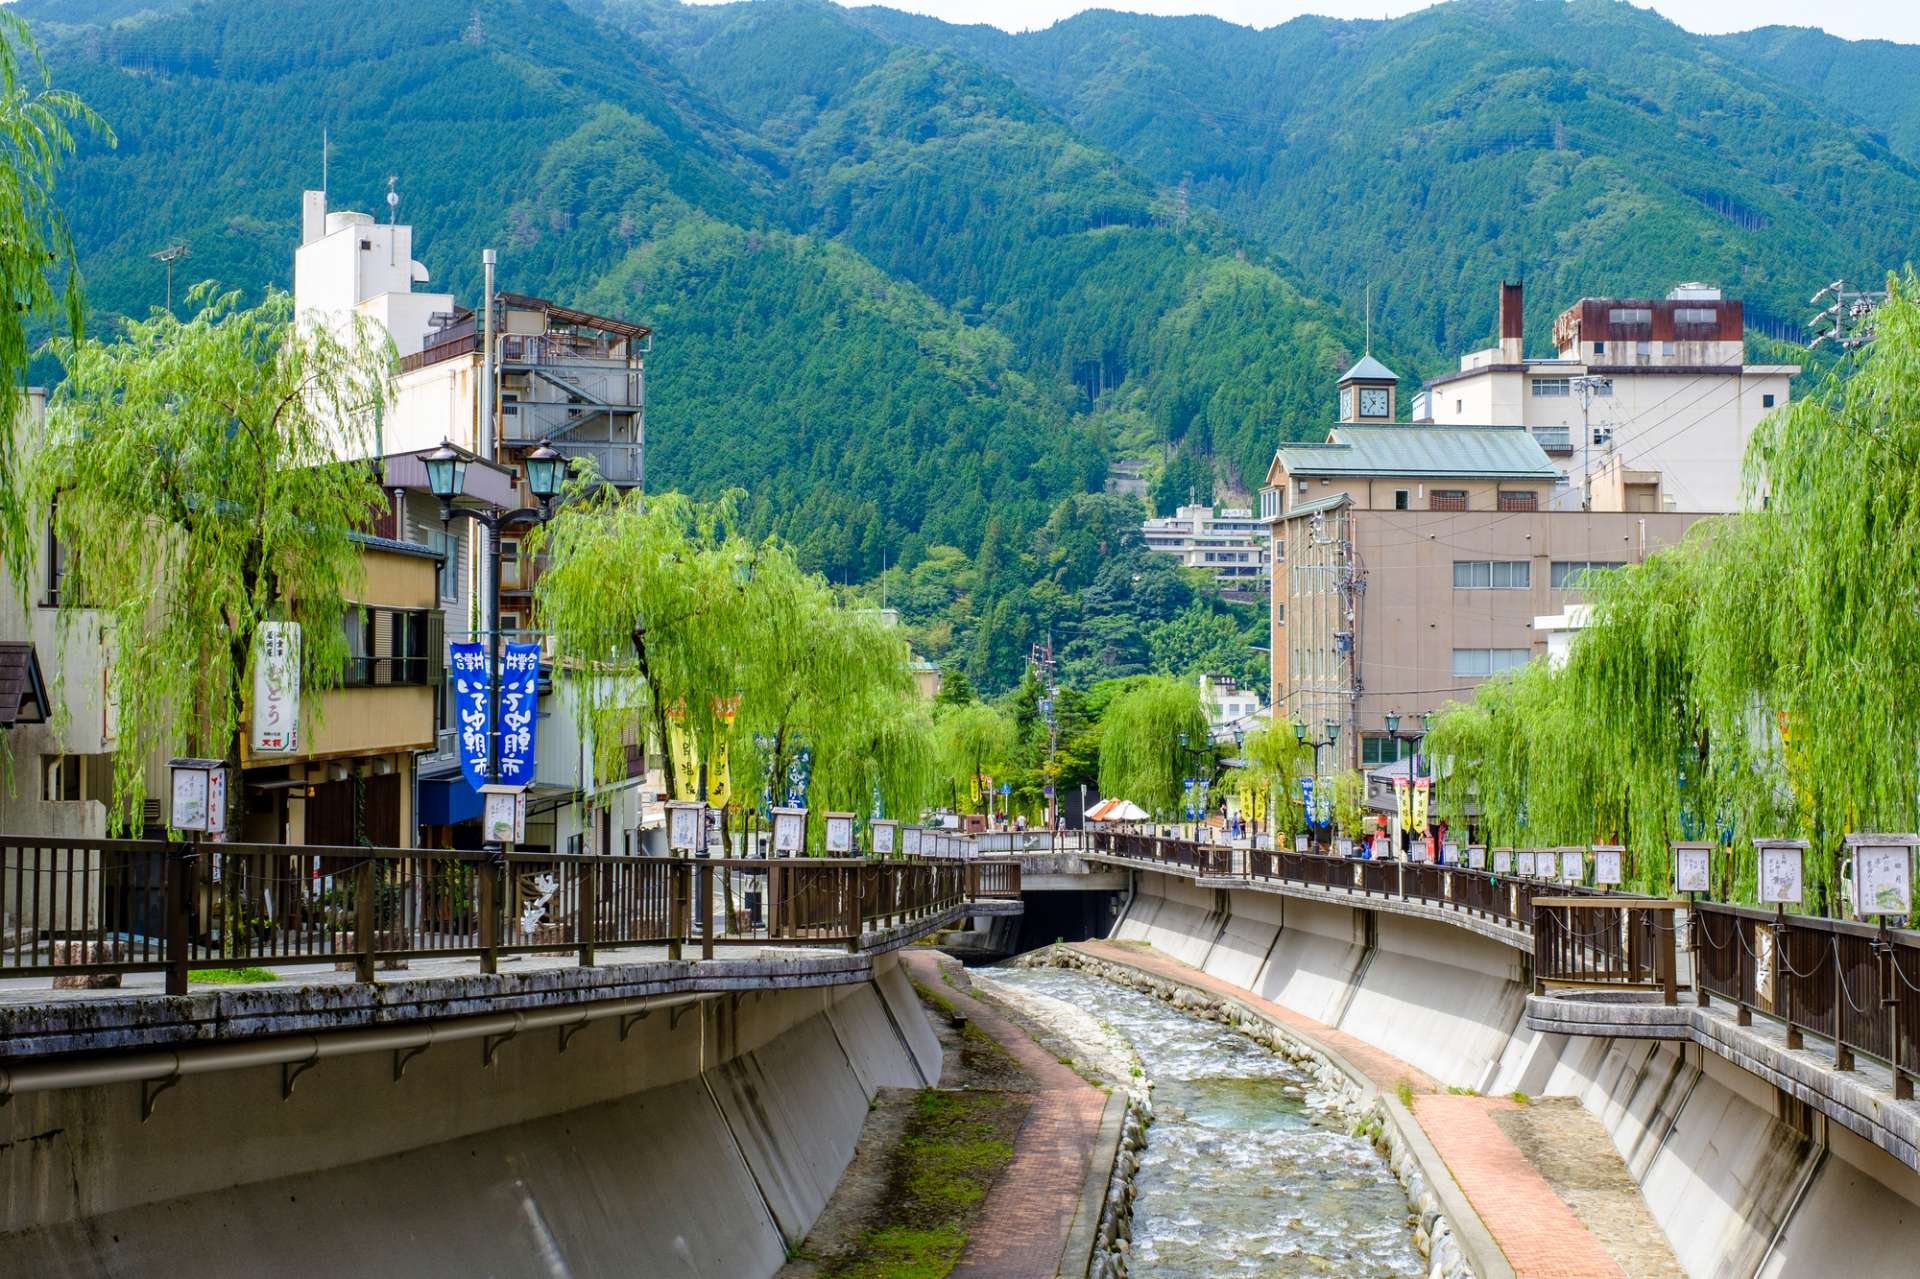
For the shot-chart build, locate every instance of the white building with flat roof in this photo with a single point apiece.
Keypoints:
(1646, 405)
(1227, 542)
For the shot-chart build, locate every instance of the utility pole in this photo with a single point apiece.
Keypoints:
(169, 255)
(1586, 387)
(1044, 666)
(1848, 320)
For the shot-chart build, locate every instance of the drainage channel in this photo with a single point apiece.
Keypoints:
(1247, 1171)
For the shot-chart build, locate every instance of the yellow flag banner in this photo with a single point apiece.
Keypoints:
(1403, 793)
(686, 762)
(1420, 789)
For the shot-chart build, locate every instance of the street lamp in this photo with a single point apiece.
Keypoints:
(1426, 726)
(1191, 757)
(1333, 736)
(446, 479)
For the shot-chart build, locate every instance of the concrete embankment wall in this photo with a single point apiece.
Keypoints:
(1743, 1179)
(696, 1149)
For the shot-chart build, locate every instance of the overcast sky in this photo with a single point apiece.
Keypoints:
(1854, 19)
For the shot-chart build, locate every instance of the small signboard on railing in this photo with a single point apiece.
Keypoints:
(1607, 863)
(1476, 857)
(1692, 868)
(1450, 853)
(1343, 847)
(789, 831)
(910, 841)
(1503, 861)
(1527, 862)
(884, 836)
(1573, 865)
(1782, 869)
(1882, 874)
(839, 829)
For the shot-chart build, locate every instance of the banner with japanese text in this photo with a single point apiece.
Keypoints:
(1422, 787)
(276, 689)
(519, 704)
(467, 667)
(1403, 795)
(686, 760)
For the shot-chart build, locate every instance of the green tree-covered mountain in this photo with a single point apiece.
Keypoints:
(1875, 82)
(916, 286)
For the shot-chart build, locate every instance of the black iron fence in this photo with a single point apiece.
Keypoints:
(74, 908)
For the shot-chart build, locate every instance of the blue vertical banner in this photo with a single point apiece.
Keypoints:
(799, 777)
(468, 663)
(519, 701)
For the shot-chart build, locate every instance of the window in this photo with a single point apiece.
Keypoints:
(1279, 614)
(389, 646)
(60, 777)
(56, 557)
(1473, 663)
(1565, 575)
(1642, 348)
(1378, 749)
(1766, 401)
(1551, 387)
(1519, 500)
(1599, 348)
(1695, 315)
(1447, 500)
(1400, 502)
(1630, 315)
(447, 545)
(1666, 348)
(1494, 575)
(1269, 503)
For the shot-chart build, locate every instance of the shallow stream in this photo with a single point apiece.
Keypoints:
(1247, 1171)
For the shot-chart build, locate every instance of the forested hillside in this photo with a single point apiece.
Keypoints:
(1875, 82)
(916, 286)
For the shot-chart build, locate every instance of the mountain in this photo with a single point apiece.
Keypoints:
(1876, 82)
(1587, 145)
(916, 286)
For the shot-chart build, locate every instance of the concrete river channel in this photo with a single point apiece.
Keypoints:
(1247, 1170)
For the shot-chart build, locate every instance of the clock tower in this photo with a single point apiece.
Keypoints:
(1367, 393)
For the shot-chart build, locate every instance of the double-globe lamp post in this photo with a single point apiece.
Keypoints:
(1191, 758)
(1319, 779)
(1414, 769)
(446, 478)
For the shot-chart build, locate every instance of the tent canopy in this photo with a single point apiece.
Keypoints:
(1116, 810)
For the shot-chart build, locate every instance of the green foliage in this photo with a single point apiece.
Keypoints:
(36, 252)
(1667, 720)
(198, 495)
(973, 739)
(1141, 758)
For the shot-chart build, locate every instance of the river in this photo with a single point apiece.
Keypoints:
(1247, 1172)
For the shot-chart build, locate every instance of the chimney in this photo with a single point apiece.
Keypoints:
(1512, 325)
(313, 216)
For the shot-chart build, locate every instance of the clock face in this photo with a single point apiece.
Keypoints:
(1373, 401)
(1346, 402)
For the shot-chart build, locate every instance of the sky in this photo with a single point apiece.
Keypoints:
(1853, 19)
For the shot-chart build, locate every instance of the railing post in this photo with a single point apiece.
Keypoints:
(363, 914)
(182, 885)
(775, 885)
(1902, 1081)
(676, 906)
(852, 905)
(1783, 978)
(1745, 978)
(586, 929)
(704, 886)
(1669, 979)
(489, 876)
(1842, 1055)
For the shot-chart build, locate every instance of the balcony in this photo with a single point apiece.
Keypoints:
(1555, 440)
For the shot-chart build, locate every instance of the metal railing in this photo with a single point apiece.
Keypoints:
(1854, 984)
(1614, 944)
(73, 908)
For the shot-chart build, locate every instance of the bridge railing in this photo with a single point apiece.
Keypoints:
(1610, 943)
(85, 909)
(1854, 984)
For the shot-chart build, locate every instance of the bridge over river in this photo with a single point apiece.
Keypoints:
(446, 1063)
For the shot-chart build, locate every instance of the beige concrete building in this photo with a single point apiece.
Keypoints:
(1228, 543)
(1410, 562)
(1637, 387)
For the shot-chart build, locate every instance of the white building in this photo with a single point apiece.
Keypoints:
(347, 262)
(1231, 710)
(1560, 629)
(1667, 423)
(1228, 543)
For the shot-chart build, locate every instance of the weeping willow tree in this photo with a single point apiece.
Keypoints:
(974, 740)
(1760, 679)
(38, 272)
(668, 619)
(192, 471)
(1141, 758)
(1271, 758)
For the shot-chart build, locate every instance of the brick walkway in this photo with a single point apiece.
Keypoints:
(1022, 1227)
(1538, 1232)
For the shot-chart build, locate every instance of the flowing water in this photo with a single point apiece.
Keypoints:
(1247, 1172)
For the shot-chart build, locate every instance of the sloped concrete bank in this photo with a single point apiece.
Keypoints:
(1451, 1253)
(1742, 1178)
(699, 1144)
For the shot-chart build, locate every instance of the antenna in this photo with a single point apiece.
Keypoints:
(393, 200)
(169, 255)
(1369, 317)
(324, 147)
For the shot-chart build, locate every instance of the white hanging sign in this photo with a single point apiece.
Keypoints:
(789, 831)
(910, 841)
(1692, 868)
(883, 837)
(504, 820)
(1882, 874)
(1476, 857)
(1573, 865)
(276, 688)
(1782, 869)
(1607, 860)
